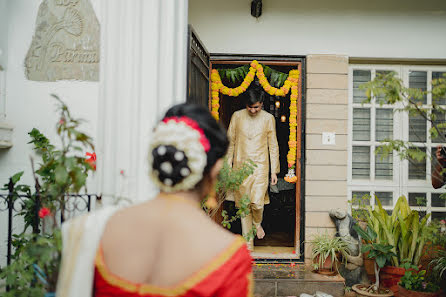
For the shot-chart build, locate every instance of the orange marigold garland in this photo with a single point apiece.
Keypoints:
(256, 69)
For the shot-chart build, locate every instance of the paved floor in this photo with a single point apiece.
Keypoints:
(274, 280)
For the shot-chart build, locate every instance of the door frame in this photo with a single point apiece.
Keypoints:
(300, 61)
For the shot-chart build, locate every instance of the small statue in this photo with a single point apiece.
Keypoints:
(353, 271)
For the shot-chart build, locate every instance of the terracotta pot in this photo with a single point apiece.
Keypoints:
(350, 294)
(403, 292)
(369, 266)
(360, 292)
(328, 267)
(390, 276)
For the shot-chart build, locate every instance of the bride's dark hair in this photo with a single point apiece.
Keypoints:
(212, 130)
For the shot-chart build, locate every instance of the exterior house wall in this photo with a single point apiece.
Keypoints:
(382, 29)
(328, 33)
(325, 165)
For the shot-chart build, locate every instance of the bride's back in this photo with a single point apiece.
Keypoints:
(162, 242)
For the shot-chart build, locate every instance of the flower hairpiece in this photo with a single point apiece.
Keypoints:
(187, 137)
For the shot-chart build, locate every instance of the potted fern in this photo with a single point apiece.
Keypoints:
(326, 251)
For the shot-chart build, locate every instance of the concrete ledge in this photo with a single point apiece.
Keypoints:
(6, 135)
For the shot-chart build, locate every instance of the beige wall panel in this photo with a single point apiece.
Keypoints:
(326, 157)
(320, 125)
(318, 219)
(324, 203)
(314, 142)
(327, 111)
(309, 234)
(326, 188)
(327, 64)
(327, 81)
(326, 172)
(327, 96)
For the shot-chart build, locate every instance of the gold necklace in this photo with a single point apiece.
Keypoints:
(179, 199)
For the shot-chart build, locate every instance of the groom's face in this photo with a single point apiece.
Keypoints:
(254, 109)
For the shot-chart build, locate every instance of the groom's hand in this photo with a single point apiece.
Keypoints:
(273, 179)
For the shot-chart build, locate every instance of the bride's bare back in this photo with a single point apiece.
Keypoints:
(162, 242)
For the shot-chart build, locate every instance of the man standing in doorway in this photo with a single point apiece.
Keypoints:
(252, 135)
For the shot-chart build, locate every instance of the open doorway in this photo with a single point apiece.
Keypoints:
(282, 220)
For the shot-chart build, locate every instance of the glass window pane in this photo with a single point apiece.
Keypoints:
(439, 122)
(384, 167)
(417, 128)
(384, 124)
(437, 201)
(361, 124)
(417, 199)
(361, 162)
(417, 169)
(386, 198)
(439, 99)
(438, 215)
(380, 98)
(360, 198)
(418, 80)
(360, 77)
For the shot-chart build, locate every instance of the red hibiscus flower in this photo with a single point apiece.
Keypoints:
(43, 212)
(91, 160)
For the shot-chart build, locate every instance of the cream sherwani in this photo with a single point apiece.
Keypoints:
(254, 138)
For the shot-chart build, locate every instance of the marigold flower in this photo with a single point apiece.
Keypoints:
(43, 212)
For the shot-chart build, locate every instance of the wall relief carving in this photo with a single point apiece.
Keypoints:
(65, 44)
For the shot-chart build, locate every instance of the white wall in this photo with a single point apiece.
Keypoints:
(28, 103)
(3, 32)
(381, 28)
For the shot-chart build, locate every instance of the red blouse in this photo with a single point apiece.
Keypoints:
(229, 274)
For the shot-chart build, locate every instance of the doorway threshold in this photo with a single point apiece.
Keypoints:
(274, 252)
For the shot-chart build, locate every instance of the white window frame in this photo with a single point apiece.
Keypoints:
(400, 184)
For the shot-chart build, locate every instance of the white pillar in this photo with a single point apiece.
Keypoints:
(143, 72)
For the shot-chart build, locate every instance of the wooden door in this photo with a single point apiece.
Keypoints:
(197, 70)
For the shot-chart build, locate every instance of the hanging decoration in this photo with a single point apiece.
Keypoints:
(257, 69)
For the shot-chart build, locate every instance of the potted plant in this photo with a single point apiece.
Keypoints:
(438, 266)
(325, 253)
(348, 292)
(405, 232)
(415, 284)
(381, 253)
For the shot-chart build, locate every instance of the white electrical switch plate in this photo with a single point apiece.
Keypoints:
(328, 138)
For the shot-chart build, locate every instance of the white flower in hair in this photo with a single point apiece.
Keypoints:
(167, 167)
(184, 172)
(179, 156)
(184, 138)
(161, 150)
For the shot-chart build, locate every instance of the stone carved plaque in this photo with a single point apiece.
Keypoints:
(65, 44)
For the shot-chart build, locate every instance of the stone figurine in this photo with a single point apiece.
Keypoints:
(353, 271)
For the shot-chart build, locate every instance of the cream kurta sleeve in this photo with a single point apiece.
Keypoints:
(273, 147)
(232, 139)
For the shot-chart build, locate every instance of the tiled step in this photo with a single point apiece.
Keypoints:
(276, 280)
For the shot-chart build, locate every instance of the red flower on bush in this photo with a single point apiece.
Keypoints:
(91, 160)
(43, 212)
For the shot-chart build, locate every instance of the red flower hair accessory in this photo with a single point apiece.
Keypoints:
(194, 125)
